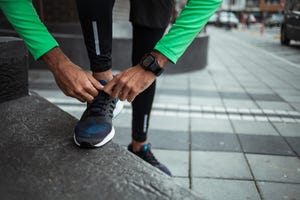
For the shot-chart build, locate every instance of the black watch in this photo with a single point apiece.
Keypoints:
(149, 63)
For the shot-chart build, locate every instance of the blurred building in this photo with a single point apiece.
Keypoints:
(233, 5)
(259, 8)
(271, 5)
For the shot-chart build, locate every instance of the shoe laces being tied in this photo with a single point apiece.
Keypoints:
(103, 105)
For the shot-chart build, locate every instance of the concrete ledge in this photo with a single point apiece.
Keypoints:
(38, 160)
(70, 38)
(13, 69)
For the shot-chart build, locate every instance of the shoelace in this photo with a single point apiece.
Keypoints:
(102, 105)
(148, 155)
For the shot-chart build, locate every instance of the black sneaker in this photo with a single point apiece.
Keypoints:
(95, 128)
(146, 154)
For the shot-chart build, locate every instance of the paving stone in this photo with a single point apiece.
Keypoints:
(239, 104)
(173, 92)
(204, 93)
(162, 98)
(210, 87)
(296, 106)
(288, 129)
(211, 125)
(266, 97)
(279, 191)
(169, 123)
(176, 161)
(283, 92)
(255, 128)
(122, 135)
(124, 119)
(220, 189)
(275, 168)
(206, 101)
(219, 165)
(263, 144)
(230, 88)
(184, 182)
(215, 142)
(274, 105)
(257, 91)
(291, 98)
(172, 140)
(234, 95)
(295, 143)
(160, 139)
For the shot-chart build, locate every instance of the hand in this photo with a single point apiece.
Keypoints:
(129, 83)
(77, 83)
(70, 78)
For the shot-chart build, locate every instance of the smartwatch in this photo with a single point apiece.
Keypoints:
(149, 63)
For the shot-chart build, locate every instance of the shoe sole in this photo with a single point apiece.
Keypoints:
(108, 138)
(118, 109)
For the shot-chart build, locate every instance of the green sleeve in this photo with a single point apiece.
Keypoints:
(192, 19)
(22, 15)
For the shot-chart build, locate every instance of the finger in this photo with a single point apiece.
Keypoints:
(79, 98)
(124, 93)
(94, 82)
(83, 95)
(108, 88)
(131, 96)
(120, 83)
(90, 89)
(87, 97)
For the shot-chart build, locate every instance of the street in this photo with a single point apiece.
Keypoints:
(230, 131)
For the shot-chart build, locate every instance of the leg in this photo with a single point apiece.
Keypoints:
(149, 19)
(95, 128)
(96, 23)
(142, 104)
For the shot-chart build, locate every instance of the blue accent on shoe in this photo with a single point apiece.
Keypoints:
(145, 147)
(103, 82)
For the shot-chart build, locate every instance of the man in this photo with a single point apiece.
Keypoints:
(95, 126)
(149, 20)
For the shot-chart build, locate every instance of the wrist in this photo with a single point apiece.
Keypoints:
(150, 63)
(162, 60)
(55, 59)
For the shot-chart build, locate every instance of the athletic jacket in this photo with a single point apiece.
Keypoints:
(39, 41)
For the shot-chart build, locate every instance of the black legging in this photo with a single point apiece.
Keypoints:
(96, 22)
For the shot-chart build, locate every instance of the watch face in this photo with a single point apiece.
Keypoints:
(148, 61)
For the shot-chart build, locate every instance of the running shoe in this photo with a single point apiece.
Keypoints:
(95, 128)
(146, 154)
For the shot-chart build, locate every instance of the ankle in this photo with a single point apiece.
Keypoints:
(106, 75)
(136, 146)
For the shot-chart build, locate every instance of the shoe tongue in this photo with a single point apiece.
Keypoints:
(103, 82)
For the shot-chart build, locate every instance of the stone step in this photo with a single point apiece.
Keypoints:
(13, 69)
(39, 160)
